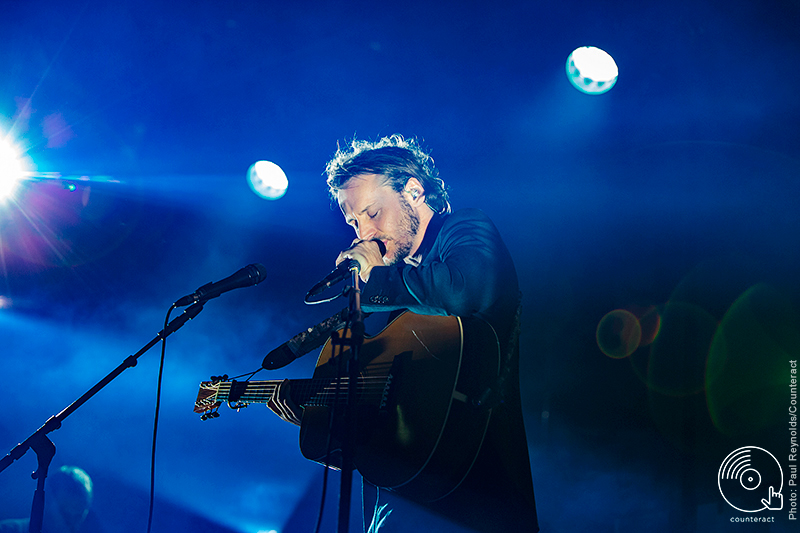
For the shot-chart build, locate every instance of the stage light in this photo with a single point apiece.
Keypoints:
(591, 70)
(11, 170)
(267, 180)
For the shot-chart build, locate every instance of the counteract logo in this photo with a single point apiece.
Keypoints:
(751, 480)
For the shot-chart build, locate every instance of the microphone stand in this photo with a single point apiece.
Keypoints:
(41, 444)
(350, 415)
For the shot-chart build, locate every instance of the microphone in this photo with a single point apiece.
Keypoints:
(342, 271)
(245, 277)
(305, 341)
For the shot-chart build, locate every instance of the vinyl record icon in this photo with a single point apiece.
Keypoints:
(745, 478)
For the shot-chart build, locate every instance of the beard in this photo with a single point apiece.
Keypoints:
(407, 230)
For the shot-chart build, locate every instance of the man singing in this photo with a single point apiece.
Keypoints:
(437, 262)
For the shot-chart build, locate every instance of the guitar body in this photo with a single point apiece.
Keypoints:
(417, 432)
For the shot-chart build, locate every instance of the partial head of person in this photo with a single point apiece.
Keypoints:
(387, 190)
(68, 499)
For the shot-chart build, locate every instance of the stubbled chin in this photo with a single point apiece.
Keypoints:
(390, 259)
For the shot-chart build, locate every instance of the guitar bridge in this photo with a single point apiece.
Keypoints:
(388, 395)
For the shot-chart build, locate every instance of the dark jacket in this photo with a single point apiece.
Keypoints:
(466, 270)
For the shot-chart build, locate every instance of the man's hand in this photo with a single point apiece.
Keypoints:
(367, 253)
(282, 404)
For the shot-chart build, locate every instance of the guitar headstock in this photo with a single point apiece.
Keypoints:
(207, 403)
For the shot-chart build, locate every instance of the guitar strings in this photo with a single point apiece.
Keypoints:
(319, 390)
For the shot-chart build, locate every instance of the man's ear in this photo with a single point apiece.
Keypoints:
(414, 192)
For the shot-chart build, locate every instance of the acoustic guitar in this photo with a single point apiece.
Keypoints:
(418, 432)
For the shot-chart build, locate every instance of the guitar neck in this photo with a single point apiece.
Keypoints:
(305, 392)
(260, 391)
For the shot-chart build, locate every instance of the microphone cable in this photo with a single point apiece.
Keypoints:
(155, 424)
(332, 421)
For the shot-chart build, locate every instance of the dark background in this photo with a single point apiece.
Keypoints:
(674, 194)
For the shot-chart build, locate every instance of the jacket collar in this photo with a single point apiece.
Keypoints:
(431, 233)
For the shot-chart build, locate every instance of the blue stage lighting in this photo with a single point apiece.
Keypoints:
(591, 70)
(11, 169)
(267, 180)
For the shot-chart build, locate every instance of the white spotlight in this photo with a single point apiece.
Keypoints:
(591, 70)
(267, 180)
(10, 169)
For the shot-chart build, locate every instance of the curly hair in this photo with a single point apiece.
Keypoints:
(395, 158)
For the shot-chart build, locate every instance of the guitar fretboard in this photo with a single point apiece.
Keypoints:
(306, 392)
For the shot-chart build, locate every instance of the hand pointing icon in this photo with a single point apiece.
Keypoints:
(774, 501)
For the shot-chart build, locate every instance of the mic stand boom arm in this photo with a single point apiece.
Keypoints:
(45, 450)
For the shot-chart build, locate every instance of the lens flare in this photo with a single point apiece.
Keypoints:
(677, 362)
(618, 334)
(748, 365)
(650, 321)
(11, 170)
(53, 222)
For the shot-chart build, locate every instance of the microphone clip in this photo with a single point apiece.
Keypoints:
(342, 272)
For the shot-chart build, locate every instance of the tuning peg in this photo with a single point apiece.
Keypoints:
(210, 414)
